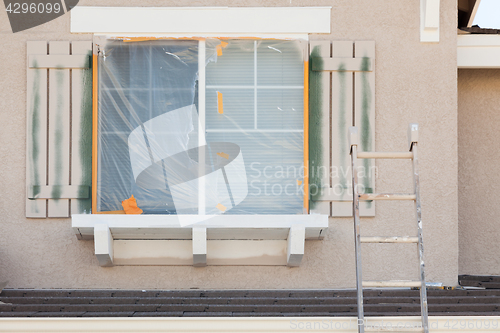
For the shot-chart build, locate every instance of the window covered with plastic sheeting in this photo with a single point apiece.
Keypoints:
(201, 127)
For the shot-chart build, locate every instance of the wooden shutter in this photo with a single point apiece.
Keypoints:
(59, 128)
(342, 94)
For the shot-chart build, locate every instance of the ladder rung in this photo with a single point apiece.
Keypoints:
(397, 239)
(387, 196)
(393, 283)
(385, 155)
(393, 329)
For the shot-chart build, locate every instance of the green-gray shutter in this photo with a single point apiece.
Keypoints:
(342, 94)
(59, 128)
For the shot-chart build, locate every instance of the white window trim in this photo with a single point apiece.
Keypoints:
(280, 235)
(201, 20)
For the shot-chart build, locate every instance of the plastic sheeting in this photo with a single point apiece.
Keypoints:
(248, 158)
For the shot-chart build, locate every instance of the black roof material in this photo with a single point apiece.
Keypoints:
(241, 303)
(477, 30)
(480, 281)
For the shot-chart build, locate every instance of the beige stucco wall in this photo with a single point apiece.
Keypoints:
(415, 83)
(478, 176)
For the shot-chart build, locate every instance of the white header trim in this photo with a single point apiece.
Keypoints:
(208, 20)
(478, 51)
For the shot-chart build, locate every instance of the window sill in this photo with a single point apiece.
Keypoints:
(221, 240)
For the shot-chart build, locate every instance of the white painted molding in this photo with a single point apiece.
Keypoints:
(478, 51)
(199, 247)
(218, 226)
(189, 20)
(221, 240)
(295, 248)
(445, 324)
(429, 20)
(103, 243)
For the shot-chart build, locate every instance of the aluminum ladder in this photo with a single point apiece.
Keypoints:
(411, 154)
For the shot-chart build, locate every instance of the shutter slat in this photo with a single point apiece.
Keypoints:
(319, 128)
(59, 132)
(365, 117)
(59, 61)
(36, 127)
(81, 131)
(342, 113)
(65, 191)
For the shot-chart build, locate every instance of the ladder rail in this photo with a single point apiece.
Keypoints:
(418, 211)
(355, 213)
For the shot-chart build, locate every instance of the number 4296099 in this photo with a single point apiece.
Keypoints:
(33, 8)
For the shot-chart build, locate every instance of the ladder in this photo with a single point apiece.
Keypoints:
(415, 196)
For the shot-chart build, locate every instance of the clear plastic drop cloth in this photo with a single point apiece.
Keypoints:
(238, 152)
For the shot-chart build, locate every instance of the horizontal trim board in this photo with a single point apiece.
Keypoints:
(59, 61)
(59, 192)
(185, 20)
(218, 227)
(243, 324)
(478, 40)
(478, 51)
(341, 64)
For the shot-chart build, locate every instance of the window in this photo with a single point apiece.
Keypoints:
(201, 127)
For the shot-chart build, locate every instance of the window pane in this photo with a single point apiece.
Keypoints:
(250, 158)
(264, 117)
(139, 82)
(280, 63)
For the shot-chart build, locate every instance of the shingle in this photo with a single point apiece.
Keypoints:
(182, 307)
(208, 314)
(246, 303)
(108, 314)
(16, 314)
(159, 314)
(57, 314)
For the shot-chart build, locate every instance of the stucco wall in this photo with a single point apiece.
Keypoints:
(415, 83)
(478, 142)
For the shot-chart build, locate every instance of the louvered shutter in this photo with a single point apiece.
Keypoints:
(342, 94)
(59, 128)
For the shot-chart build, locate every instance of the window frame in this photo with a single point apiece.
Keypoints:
(201, 104)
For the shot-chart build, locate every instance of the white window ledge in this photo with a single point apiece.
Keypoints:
(478, 51)
(221, 240)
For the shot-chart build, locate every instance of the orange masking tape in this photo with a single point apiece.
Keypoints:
(221, 207)
(306, 136)
(220, 103)
(220, 47)
(130, 206)
(112, 212)
(224, 155)
(94, 133)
